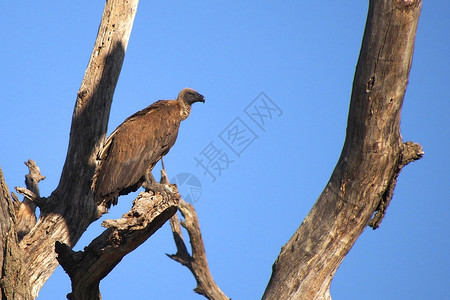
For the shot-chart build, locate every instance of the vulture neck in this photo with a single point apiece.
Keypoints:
(185, 110)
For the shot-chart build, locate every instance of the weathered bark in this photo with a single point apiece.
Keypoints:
(13, 277)
(66, 214)
(362, 183)
(26, 210)
(86, 268)
(197, 262)
(371, 159)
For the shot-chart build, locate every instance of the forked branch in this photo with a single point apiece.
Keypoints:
(26, 210)
(86, 268)
(197, 262)
(69, 210)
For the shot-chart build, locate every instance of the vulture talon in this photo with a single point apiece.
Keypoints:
(157, 188)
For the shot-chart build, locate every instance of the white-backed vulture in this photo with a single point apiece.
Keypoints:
(132, 150)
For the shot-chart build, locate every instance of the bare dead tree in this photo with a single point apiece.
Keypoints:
(357, 195)
(372, 157)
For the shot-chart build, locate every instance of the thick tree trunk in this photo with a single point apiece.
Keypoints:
(372, 157)
(66, 214)
(14, 278)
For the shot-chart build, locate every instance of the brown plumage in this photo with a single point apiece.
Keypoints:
(133, 149)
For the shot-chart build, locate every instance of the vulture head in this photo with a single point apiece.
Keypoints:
(186, 97)
(189, 96)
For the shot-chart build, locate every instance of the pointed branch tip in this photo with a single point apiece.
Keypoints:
(35, 171)
(411, 152)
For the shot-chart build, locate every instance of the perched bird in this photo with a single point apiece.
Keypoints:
(132, 150)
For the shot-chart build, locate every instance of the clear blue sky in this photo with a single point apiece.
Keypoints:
(302, 56)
